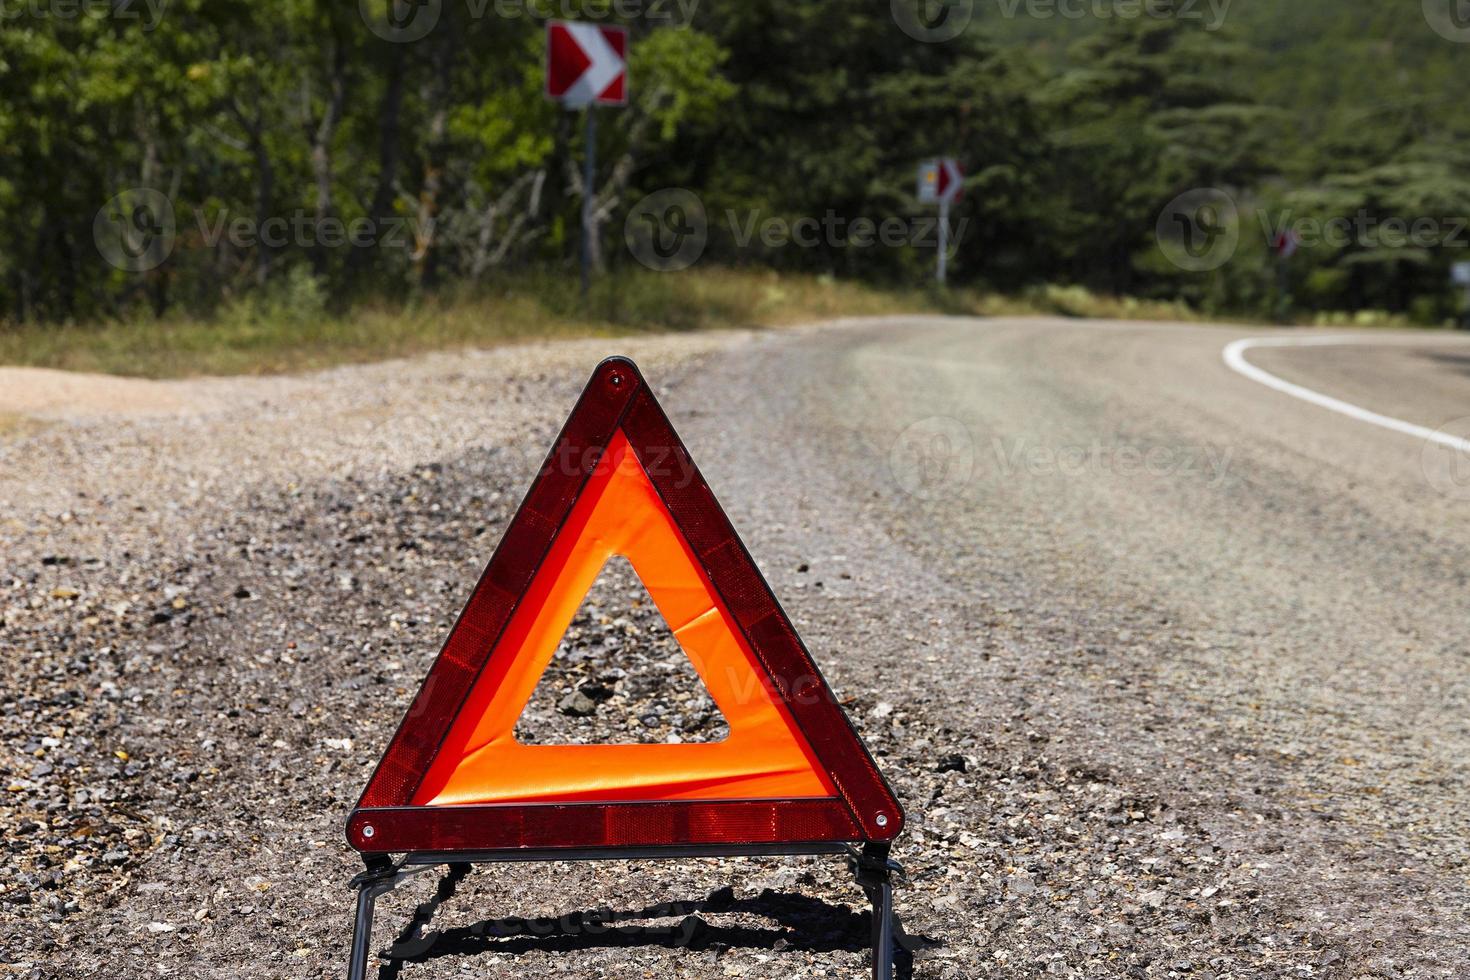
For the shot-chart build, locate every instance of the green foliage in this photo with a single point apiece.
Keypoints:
(679, 79)
(1076, 133)
(296, 299)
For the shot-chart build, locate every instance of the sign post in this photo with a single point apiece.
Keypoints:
(941, 182)
(1285, 245)
(1460, 275)
(589, 181)
(587, 66)
(943, 269)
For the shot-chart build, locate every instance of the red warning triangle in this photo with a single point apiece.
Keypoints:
(620, 482)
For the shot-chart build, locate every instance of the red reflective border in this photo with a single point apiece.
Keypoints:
(760, 617)
(505, 580)
(617, 397)
(551, 826)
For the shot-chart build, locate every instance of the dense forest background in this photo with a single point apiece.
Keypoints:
(397, 166)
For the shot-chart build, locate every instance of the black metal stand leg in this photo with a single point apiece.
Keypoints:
(362, 932)
(883, 931)
(874, 872)
(381, 877)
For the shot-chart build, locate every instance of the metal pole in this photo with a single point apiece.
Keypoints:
(943, 240)
(362, 931)
(589, 187)
(883, 931)
(1283, 291)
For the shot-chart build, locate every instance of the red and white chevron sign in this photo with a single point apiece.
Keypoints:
(586, 64)
(940, 181)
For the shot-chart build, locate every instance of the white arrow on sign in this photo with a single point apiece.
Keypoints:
(586, 64)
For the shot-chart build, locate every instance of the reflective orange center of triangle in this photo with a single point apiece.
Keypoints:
(620, 513)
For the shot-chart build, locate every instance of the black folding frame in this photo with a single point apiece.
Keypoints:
(870, 864)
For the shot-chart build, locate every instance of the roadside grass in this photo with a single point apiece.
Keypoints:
(12, 424)
(291, 329)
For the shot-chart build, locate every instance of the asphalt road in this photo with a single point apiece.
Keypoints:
(1240, 605)
(1169, 667)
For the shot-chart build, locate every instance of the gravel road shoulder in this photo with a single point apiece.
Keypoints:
(213, 616)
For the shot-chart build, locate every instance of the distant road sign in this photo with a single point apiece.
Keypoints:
(940, 181)
(586, 64)
(1285, 244)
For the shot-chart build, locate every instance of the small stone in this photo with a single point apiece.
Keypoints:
(596, 692)
(577, 704)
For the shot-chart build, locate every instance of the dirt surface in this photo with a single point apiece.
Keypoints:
(46, 394)
(1169, 669)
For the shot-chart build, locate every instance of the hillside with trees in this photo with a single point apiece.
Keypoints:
(302, 155)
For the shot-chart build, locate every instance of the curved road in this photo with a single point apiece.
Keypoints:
(1093, 552)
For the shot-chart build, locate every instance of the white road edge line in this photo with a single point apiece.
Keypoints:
(1234, 355)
